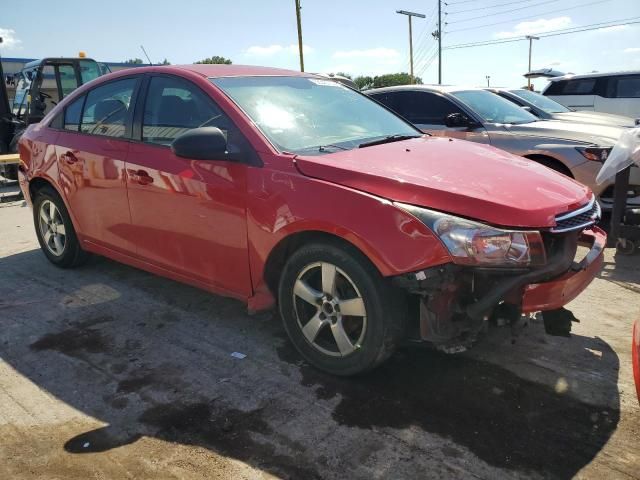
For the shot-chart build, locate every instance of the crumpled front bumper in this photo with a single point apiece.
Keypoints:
(556, 293)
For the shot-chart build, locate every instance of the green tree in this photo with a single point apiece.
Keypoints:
(392, 79)
(345, 75)
(135, 61)
(363, 82)
(165, 62)
(216, 59)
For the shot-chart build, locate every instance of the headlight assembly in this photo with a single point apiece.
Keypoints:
(473, 243)
(595, 154)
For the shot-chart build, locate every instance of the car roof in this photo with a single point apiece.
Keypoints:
(594, 74)
(429, 88)
(217, 71)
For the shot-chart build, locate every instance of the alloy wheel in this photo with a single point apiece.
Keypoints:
(329, 309)
(52, 228)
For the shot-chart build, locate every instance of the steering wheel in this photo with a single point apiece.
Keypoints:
(46, 95)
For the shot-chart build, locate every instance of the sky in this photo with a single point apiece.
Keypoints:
(354, 36)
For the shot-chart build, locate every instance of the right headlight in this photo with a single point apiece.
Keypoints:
(595, 154)
(473, 243)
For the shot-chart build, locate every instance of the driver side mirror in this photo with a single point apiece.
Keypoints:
(204, 143)
(459, 120)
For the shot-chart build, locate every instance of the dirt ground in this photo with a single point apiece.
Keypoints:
(110, 372)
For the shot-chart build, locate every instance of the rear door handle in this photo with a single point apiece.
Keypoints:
(139, 176)
(69, 157)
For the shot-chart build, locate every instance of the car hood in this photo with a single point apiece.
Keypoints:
(455, 176)
(596, 118)
(571, 131)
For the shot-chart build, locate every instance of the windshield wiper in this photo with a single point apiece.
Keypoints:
(387, 139)
(323, 148)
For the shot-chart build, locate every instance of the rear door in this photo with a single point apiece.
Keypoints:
(91, 152)
(189, 215)
(622, 96)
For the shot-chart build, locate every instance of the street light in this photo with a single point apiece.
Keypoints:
(531, 38)
(410, 14)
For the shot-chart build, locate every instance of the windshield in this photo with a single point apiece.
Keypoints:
(312, 115)
(492, 108)
(89, 69)
(540, 101)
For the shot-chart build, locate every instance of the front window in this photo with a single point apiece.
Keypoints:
(540, 101)
(492, 108)
(311, 115)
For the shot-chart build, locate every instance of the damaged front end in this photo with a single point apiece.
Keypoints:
(455, 302)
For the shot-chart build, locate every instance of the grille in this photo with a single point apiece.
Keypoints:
(578, 219)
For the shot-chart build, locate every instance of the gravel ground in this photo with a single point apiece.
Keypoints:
(110, 372)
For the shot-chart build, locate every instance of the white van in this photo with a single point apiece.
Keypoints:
(616, 92)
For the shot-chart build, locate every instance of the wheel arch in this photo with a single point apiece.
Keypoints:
(289, 244)
(550, 162)
(39, 182)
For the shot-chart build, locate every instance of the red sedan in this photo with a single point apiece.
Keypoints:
(273, 186)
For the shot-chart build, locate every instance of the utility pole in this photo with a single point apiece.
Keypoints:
(439, 42)
(488, 77)
(298, 7)
(409, 15)
(531, 38)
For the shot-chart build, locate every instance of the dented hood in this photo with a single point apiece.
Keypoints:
(463, 178)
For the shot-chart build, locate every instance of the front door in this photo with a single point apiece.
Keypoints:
(189, 216)
(91, 154)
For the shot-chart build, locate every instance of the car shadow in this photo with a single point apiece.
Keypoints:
(150, 357)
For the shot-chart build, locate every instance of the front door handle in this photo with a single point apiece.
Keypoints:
(141, 177)
(69, 158)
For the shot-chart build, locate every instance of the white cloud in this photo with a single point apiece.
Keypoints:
(271, 50)
(536, 26)
(9, 39)
(632, 50)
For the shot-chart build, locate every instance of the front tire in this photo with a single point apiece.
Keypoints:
(55, 232)
(339, 312)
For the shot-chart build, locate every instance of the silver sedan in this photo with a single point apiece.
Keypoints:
(574, 149)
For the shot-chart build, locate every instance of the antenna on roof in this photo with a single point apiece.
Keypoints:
(145, 54)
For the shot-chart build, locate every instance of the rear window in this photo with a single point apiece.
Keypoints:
(107, 108)
(582, 86)
(420, 107)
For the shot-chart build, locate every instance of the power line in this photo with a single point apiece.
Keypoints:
(488, 7)
(552, 33)
(458, 3)
(527, 17)
(503, 12)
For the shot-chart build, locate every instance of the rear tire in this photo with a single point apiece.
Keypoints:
(55, 232)
(339, 312)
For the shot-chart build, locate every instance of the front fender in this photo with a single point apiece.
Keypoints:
(281, 204)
